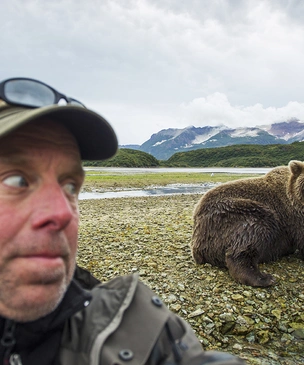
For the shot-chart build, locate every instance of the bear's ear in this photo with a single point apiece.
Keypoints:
(296, 167)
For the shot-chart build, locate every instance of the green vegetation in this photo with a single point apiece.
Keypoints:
(127, 158)
(230, 156)
(239, 156)
(110, 180)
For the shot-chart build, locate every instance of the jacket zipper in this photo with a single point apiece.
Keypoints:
(15, 359)
(8, 342)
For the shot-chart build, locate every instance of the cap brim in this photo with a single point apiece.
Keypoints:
(96, 138)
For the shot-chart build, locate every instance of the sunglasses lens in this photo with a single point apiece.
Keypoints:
(28, 92)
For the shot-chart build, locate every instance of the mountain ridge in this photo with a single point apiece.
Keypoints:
(165, 143)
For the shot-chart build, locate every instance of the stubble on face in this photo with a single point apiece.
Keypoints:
(38, 221)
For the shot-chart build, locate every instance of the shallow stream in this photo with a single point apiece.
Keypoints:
(171, 189)
(156, 191)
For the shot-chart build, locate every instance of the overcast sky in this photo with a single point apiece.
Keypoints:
(147, 65)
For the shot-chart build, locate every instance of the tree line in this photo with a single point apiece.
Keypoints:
(229, 156)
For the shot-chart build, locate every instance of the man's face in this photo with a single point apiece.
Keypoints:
(40, 178)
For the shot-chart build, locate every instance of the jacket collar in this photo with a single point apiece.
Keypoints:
(74, 300)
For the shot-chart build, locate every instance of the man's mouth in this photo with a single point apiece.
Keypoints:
(44, 259)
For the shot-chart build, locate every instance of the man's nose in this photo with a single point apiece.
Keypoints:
(52, 208)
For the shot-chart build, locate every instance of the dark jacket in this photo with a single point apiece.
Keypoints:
(120, 322)
(126, 323)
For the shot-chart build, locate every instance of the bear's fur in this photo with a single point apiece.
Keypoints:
(242, 223)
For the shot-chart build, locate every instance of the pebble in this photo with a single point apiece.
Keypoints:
(151, 235)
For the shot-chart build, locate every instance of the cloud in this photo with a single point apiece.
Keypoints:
(216, 109)
(152, 64)
(153, 50)
(135, 123)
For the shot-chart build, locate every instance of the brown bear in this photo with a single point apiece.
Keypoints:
(243, 223)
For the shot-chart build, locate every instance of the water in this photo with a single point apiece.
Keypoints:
(153, 191)
(162, 190)
(154, 170)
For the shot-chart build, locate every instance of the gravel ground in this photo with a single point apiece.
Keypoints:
(151, 236)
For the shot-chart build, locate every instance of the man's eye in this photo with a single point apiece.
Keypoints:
(15, 181)
(70, 188)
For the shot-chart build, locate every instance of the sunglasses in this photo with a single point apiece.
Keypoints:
(32, 93)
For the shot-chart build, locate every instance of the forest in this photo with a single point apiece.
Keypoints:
(230, 156)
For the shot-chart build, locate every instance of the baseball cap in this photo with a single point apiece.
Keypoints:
(95, 136)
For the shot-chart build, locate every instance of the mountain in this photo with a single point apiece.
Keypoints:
(165, 143)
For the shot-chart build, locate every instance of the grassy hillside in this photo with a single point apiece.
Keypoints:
(239, 156)
(127, 158)
(230, 156)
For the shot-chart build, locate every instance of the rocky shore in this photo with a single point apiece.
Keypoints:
(151, 236)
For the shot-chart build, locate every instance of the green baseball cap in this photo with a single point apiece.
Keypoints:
(95, 136)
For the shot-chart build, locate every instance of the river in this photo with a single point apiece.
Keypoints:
(162, 190)
(143, 170)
